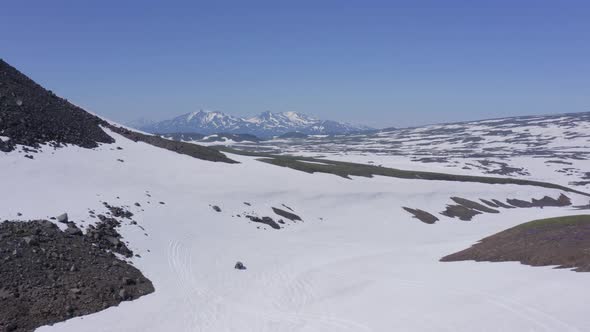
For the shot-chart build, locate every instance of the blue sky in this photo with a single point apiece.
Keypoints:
(381, 63)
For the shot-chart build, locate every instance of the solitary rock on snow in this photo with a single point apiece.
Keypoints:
(240, 266)
(63, 218)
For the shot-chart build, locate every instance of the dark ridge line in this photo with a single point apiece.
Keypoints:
(347, 169)
(189, 149)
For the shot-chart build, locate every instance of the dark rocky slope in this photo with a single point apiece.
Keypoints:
(189, 149)
(48, 276)
(31, 115)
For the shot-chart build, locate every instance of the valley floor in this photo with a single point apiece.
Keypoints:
(357, 261)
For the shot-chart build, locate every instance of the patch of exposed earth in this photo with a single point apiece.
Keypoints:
(563, 242)
(465, 209)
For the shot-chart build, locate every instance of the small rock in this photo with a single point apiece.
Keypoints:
(11, 327)
(239, 266)
(113, 240)
(216, 208)
(123, 295)
(31, 240)
(73, 230)
(128, 281)
(62, 218)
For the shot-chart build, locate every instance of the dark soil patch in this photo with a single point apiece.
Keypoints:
(473, 205)
(519, 203)
(460, 211)
(582, 207)
(265, 220)
(288, 207)
(562, 241)
(492, 204)
(561, 201)
(286, 214)
(504, 168)
(48, 276)
(422, 215)
(558, 162)
(502, 205)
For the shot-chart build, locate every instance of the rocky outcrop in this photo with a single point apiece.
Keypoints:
(48, 276)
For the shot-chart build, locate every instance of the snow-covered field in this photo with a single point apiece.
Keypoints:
(357, 262)
(552, 148)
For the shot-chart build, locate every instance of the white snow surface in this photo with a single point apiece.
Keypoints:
(357, 262)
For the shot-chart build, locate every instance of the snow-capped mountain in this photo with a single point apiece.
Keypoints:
(266, 124)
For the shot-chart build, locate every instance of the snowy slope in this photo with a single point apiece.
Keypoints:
(266, 124)
(357, 262)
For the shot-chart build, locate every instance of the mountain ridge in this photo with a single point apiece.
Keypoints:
(266, 124)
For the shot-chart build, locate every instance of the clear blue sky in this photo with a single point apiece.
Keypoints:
(382, 63)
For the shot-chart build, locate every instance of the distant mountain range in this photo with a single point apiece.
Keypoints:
(264, 125)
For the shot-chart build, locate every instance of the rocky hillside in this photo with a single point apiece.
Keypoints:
(31, 115)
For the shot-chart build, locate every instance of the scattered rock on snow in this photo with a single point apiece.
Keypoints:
(118, 212)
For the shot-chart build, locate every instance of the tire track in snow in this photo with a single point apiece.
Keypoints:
(287, 310)
(300, 293)
(208, 304)
(201, 305)
(526, 312)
